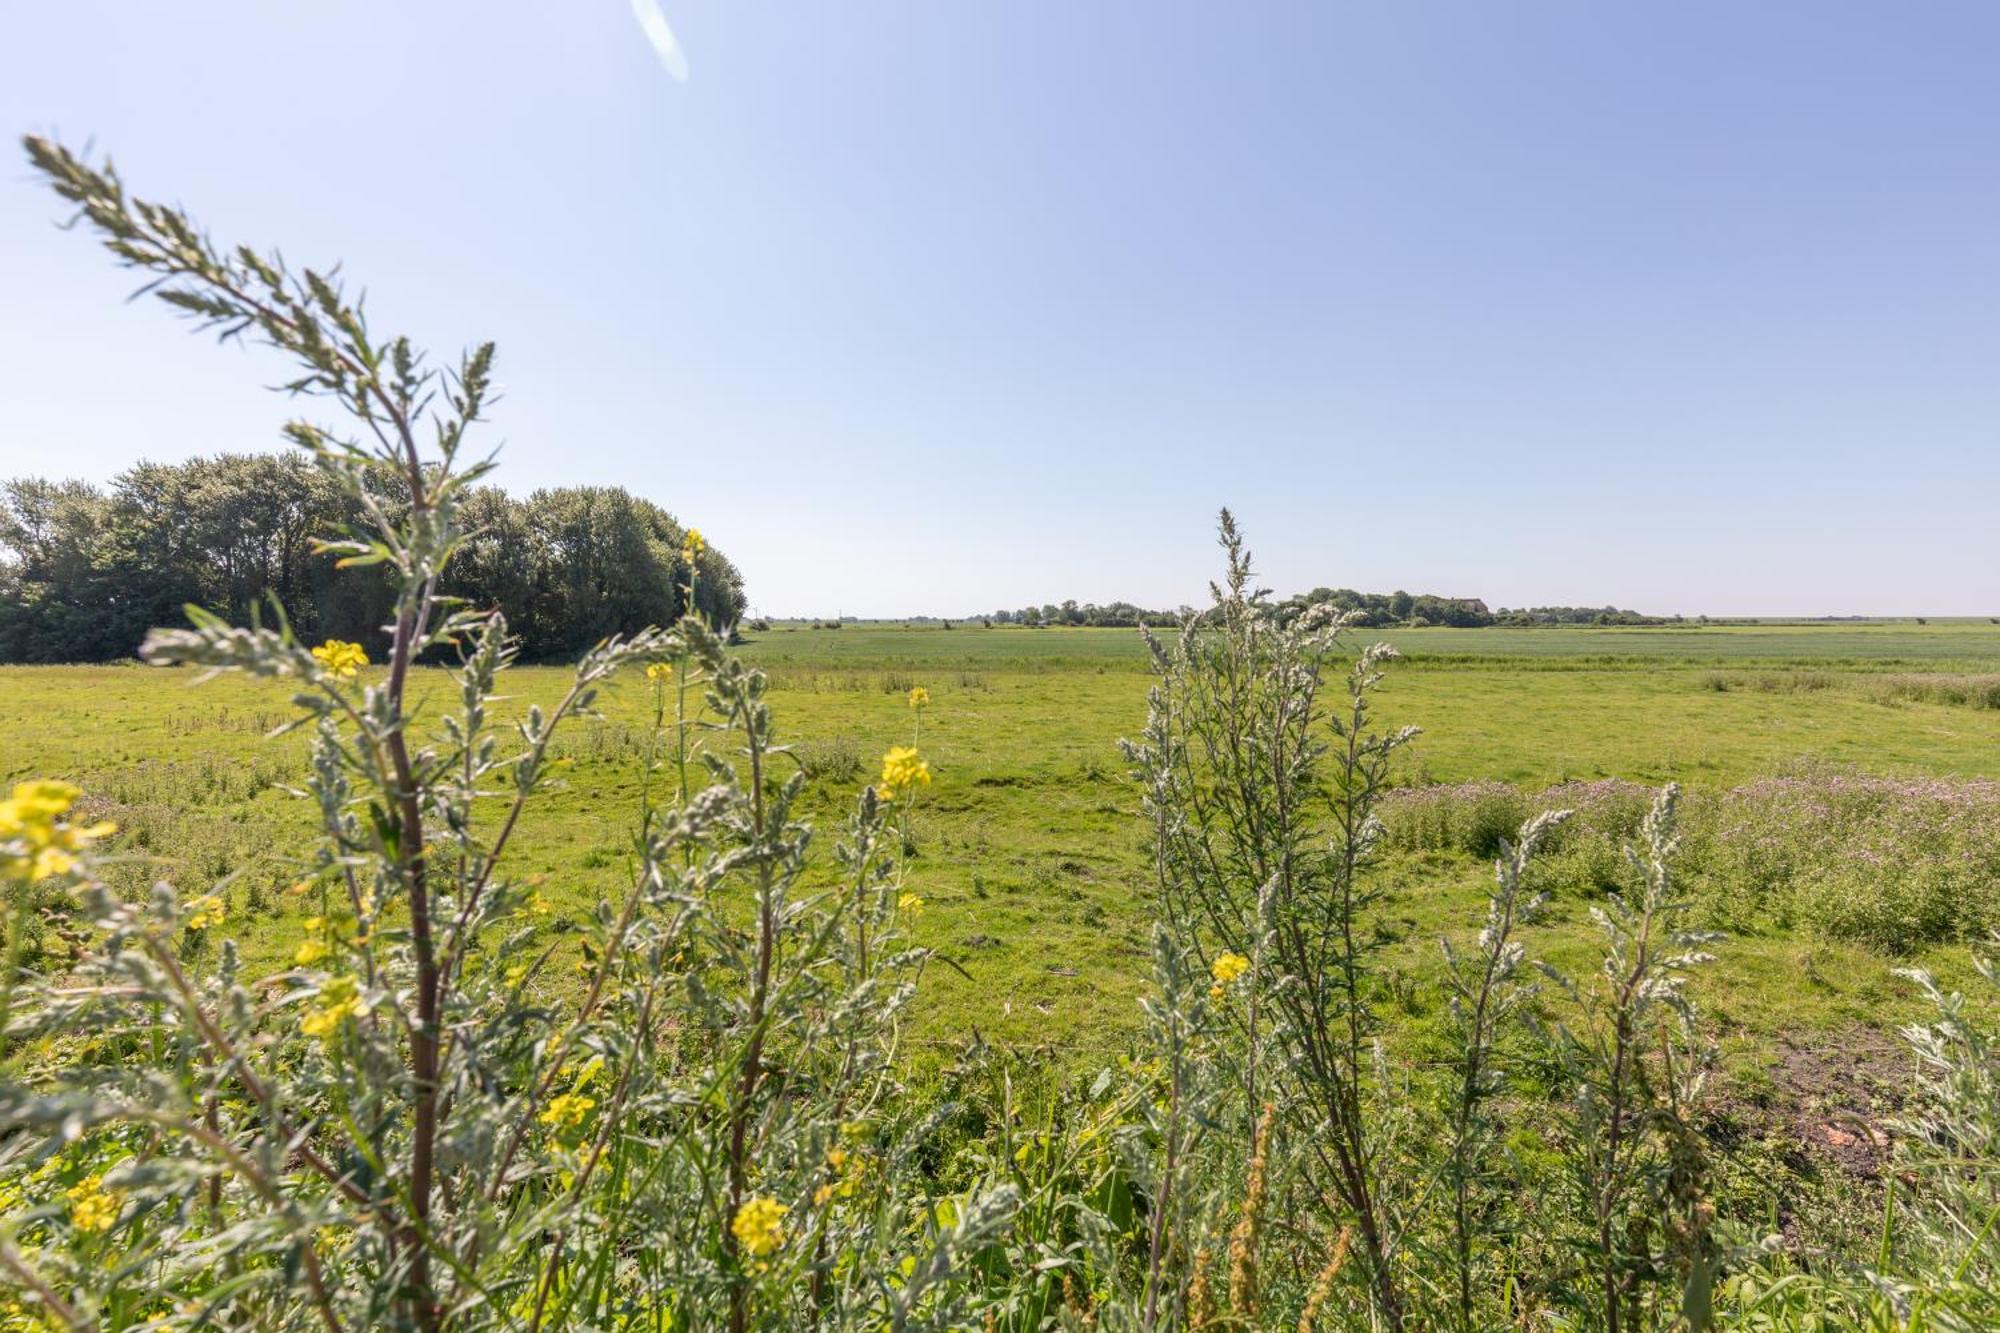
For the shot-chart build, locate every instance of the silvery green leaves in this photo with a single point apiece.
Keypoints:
(1484, 998)
(1633, 1062)
(1261, 799)
(1947, 1151)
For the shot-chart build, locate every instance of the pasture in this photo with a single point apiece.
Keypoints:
(1029, 844)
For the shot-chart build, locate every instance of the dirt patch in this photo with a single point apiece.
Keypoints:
(1832, 1098)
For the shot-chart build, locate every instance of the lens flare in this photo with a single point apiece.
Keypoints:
(654, 24)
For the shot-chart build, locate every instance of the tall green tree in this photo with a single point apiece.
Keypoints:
(86, 572)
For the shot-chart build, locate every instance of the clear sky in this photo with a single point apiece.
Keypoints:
(940, 307)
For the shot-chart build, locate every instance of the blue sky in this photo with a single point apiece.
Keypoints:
(942, 307)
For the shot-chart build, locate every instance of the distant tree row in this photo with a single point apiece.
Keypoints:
(1117, 615)
(1373, 609)
(1397, 608)
(1579, 615)
(1402, 608)
(85, 572)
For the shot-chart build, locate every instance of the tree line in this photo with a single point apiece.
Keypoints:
(1422, 609)
(1371, 609)
(1116, 615)
(86, 571)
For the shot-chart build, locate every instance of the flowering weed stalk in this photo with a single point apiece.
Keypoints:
(1485, 996)
(1632, 1064)
(398, 1131)
(1262, 804)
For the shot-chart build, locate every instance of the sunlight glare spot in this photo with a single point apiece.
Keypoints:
(654, 24)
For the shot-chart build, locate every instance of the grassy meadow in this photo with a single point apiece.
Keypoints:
(1029, 842)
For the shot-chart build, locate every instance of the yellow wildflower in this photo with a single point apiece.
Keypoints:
(920, 698)
(42, 801)
(903, 770)
(35, 840)
(911, 903)
(846, 1168)
(339, 1000)
(1228, 967)
(759, 1226)
(92, 1208)
(208, 911)
(567, 1111)
(660, 671)
(342, 660)
(310, 952)
(693, 545)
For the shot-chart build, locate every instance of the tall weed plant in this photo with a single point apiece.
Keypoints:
(397, 1131)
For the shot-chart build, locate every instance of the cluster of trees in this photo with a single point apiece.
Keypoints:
(1397, 608)
(1118, 615)
(1579, 615)
(85, 572)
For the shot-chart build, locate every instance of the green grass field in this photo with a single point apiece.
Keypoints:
(1029, 843)
(1957, 644)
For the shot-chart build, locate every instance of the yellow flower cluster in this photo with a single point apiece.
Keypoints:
(314, 946)
(342, 660)
(759, 1226)
(920, 698)
(847, 1169)
(911, 903)
(567, 1111)
(1226, 969)
(92, 1208)
(660, 671)
(693, 545)
(35, 840)
(208, 911)
(902, 770)
(339, 1000)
